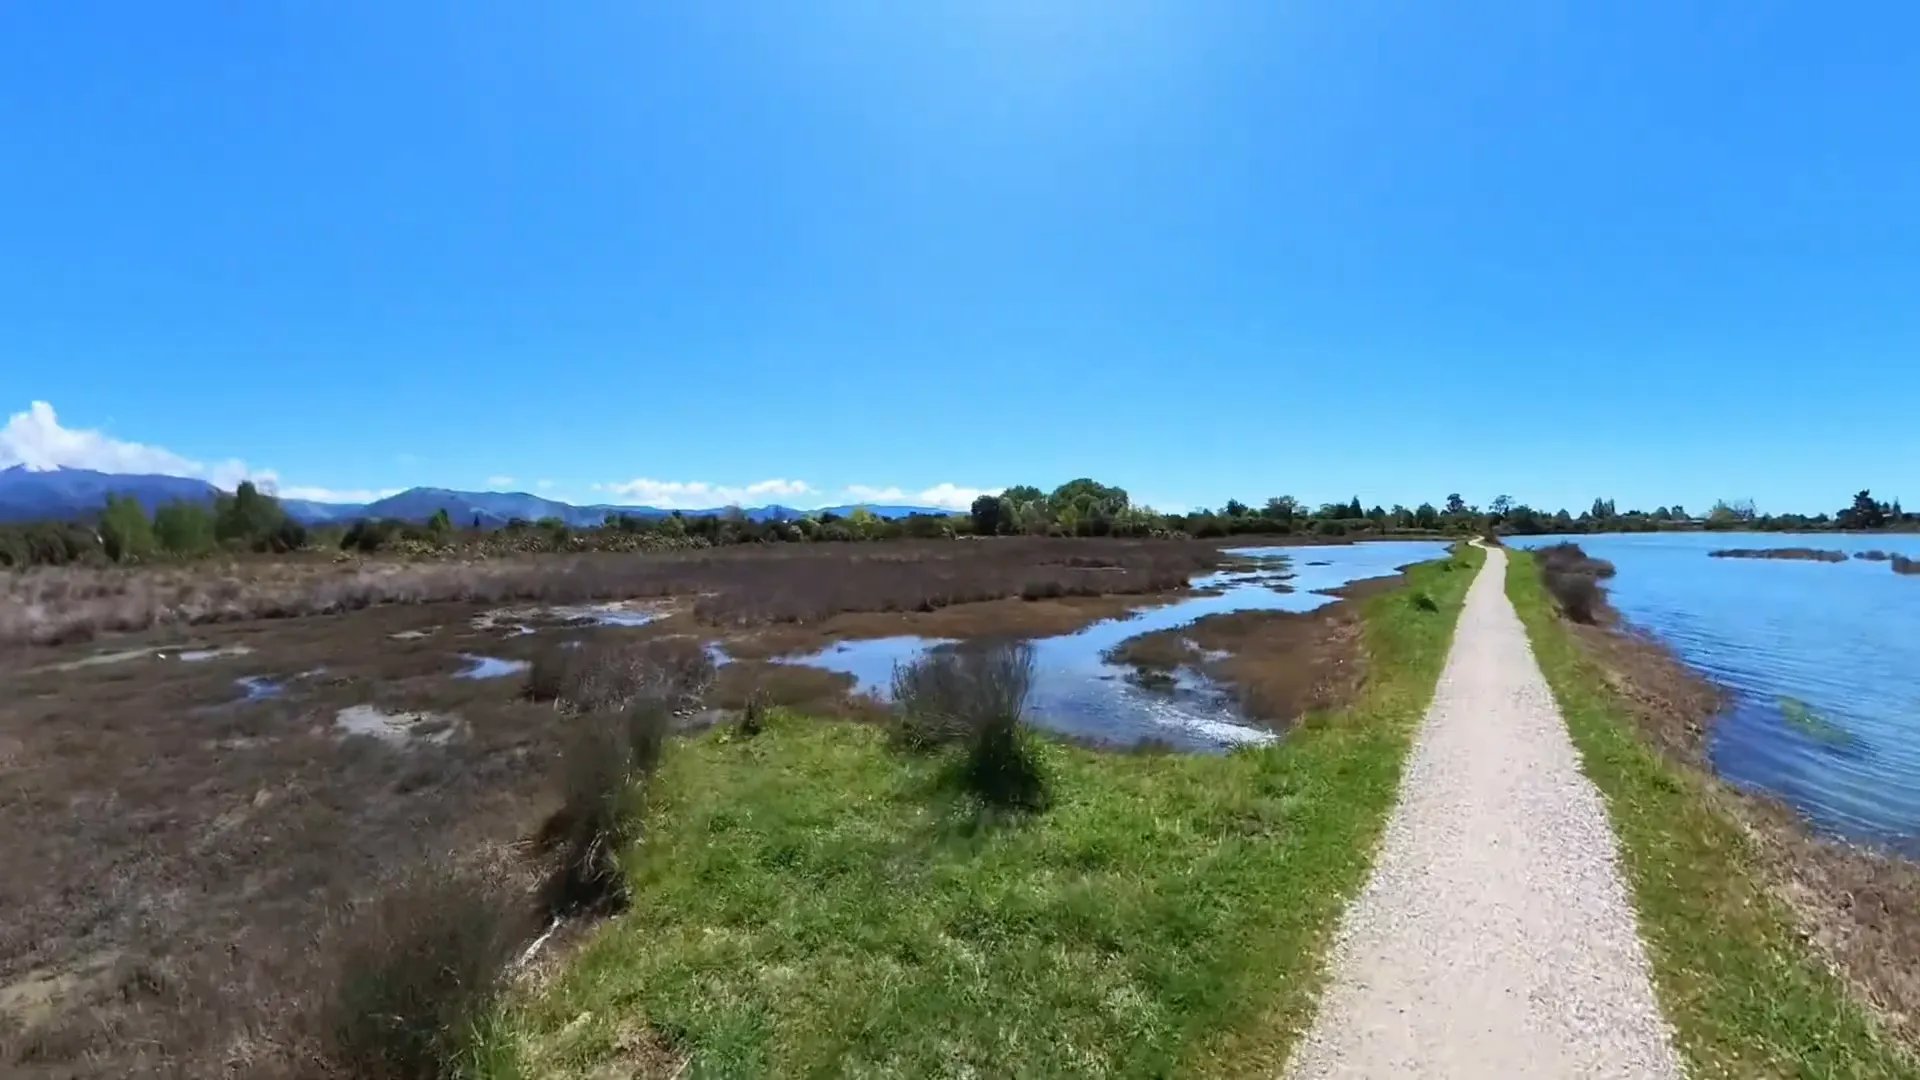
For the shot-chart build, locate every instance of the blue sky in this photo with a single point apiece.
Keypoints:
(1658, 251)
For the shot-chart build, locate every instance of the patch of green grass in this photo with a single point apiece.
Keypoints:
(812, 902)
(1745, 995)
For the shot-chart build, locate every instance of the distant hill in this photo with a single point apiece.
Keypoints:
(29, 495)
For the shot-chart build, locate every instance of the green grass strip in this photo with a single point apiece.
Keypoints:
(810, 902)
(1745, 994)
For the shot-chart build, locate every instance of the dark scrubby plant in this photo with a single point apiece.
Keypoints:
(975, 696)
(1573, 578)
(600, 677)
(1424, 602)
(415, 975)
(1904, 565)
(606, 762)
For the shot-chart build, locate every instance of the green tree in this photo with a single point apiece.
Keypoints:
(985, 514)
(1282, 507)
(1865, 513)
(1456, 504)
(252, 519)
(440, 524)
(183, 529)
(125, 532)
(1426, 517)
(864, 523)
(1112, 498)
(1235, 508)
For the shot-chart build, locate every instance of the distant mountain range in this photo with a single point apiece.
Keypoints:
(65, 494)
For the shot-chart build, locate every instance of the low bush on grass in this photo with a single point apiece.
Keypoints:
(1573, 578)
(605, 764)
(414, 977)
(974, 697)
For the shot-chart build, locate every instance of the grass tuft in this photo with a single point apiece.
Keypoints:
(975, 696)
(604, 767)
(415, 977)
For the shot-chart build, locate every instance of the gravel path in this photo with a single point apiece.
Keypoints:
(1495, 938)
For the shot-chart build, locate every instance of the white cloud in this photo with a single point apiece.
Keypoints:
(700, 495)
(332, 495)
(543, 485)
(946, 496)
(499, 483)
(36, 439)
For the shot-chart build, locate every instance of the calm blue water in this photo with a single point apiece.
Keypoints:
(1075, 689)
(1822, 659)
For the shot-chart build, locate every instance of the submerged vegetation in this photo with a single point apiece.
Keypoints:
(1807, 554)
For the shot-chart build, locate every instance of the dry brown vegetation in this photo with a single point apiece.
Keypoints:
(737, 586)
(1806, 554)
(1281, 665)
(173, 849)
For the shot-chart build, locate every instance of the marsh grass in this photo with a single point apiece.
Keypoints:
(414, 978)
(605, 764)
(608, 676)
(741, 586)
(809, 905)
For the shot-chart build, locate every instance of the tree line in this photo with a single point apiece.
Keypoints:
(1863, 514)
(250, 520)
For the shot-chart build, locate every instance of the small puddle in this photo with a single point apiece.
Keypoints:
(489, 667)
(195, 656)
(1077, 691)
(618, 613)
(119, 656)
(515, 621)
(260, 687)
(396, 728)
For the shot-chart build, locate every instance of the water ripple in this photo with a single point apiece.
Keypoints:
(1822, 661)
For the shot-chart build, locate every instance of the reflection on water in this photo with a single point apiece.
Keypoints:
(1077, 692)
(1822, 659)
(489, 667)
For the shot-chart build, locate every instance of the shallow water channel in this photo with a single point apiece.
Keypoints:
(1822, 661)
(1077, 692)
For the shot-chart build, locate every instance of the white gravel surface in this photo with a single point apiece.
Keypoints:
(1495, 938)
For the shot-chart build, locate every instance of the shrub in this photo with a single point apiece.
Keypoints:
(125, 531)
(975, 696)
(1578, 594)
(594, 678)
(1904, 565)
(753, 719)
(1424, 602)
(183, 529)
(415, 974)
(1573, 577)
(605, 763)
(1571, 557)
